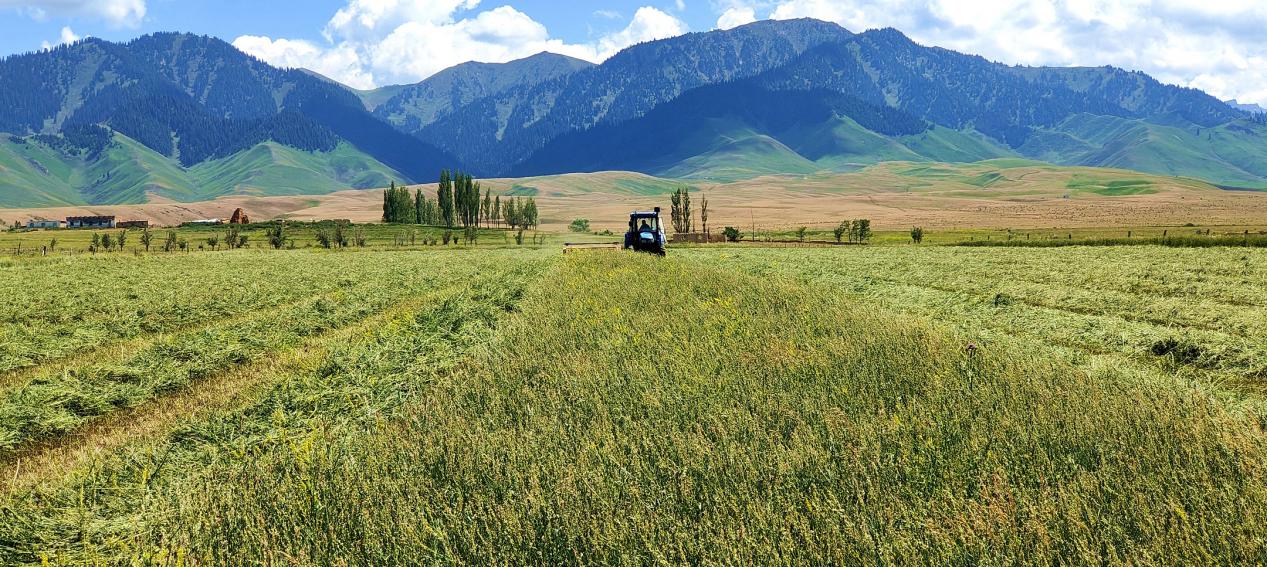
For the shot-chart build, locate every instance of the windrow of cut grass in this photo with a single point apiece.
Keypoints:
(52, 404)
(66, 306)
(1198, 309)
(33, 244)
(116, 509)
(641, 411)
(1243, 241)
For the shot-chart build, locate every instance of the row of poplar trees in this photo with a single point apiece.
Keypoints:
(457, 203)
(681, 214)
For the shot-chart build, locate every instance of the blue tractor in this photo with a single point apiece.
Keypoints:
(646, 232)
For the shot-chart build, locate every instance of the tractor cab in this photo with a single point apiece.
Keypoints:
(646, 232)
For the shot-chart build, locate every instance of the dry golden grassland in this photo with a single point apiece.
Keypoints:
(897, 195)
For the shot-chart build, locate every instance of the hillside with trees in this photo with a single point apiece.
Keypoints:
(413, 107)
(797, 96)
(191, 100)
(975, 108)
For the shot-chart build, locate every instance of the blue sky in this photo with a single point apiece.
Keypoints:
(228, 19)
(1214, 45)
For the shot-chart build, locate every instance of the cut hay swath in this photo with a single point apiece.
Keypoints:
(569, 247)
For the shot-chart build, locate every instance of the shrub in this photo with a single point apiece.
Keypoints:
(580, 225)
(732, 234)
(277, 235)
(324, 238)
(861, 230)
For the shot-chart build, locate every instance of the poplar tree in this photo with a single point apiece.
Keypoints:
(398, 206)
(703, 212)
(463, 194)
(445, 198)
(387, 203)
(420, 202)
(487, 208)
(680, 211)
(511, 213)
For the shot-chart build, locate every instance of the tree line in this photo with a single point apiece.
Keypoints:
(458, 203)
(169, 122)
(858, 231)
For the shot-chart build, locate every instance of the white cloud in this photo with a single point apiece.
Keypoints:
(648, 24)
(1213, 45)
(735, 17)
(368, 19)
(377, 42)
(339, 62)
(68, 36)
(123, 13)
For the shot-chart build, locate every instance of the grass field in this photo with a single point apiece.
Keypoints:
(406, 237)
(197, 238)
(878, 405)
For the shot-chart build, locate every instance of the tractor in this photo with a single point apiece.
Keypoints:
(646, 232)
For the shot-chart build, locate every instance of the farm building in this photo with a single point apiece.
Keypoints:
(134, 224)
(90, 222)
(43, 223)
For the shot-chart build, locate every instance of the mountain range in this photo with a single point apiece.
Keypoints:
(181, 117)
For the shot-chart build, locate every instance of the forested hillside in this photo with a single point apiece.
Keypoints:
(796, 96)
(412, 107)
(972, 109)
(495, 133)
(740, 129)
(190, 100)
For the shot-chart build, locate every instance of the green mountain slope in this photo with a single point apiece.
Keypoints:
(274, 169)
(741, 130)
(34, 173)
(946, 145)
(1231, 154)
(127, 172)
(194, 99)
(737, 154)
